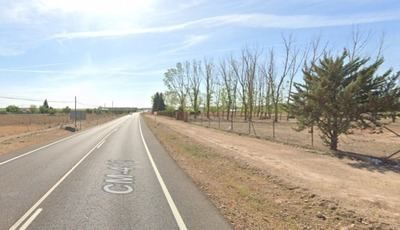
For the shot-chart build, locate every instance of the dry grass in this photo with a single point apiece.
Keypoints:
(15, 124)
(250, 197)
(22, 131)
(368, 142)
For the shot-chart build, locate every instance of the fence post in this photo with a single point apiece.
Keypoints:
(201, 118)
(273, 128)
(312, 134)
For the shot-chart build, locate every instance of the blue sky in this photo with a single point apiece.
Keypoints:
(118, 50)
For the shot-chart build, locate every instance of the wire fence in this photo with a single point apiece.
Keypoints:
(377, 143)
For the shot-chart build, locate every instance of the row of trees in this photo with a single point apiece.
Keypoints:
(338, 90)
(251, 83)
(44, 109)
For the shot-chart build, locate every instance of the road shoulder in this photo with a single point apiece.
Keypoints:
(250, 197)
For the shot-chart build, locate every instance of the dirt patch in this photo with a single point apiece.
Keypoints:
(379, 142)
(33, 139)
(262, 185)
(19, 132)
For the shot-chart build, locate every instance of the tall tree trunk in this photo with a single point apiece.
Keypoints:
(334, 141)
(276, 111)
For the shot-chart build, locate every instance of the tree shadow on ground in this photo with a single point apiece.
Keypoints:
(373, 164)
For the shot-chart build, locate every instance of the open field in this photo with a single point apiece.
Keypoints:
(258, 184)
(366, 142)
(19, 131)
(14, 124)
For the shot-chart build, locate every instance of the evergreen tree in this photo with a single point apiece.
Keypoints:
(45, 104)
(45, 107)
(162, 105)
(339, 92)
(158, 102)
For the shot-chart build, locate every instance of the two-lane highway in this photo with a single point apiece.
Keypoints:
(115, 176)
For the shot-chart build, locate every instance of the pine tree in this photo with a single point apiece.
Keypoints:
(339, 92)
(45, 104)
(158, 102)
(45, 107)
(162, 105)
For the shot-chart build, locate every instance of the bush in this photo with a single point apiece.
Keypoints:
(13, 109)
(51, 111)
(33, 109)
(66, 110)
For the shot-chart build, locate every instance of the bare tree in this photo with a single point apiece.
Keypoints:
(359, 42)
(208, 77)
(249, 60)
(227, 81)
(175, 81)
(193, 76)
(218, 95)
(240, 77)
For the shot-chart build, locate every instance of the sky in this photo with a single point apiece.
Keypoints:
(115, 51)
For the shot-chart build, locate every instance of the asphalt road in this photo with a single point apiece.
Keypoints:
(114, 176)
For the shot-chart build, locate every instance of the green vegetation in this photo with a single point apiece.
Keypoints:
(33, 109)
(13, 109)
(340, 91)
(66, 110)
(158, 102)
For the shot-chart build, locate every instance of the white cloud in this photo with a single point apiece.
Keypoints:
(243, 20)
(189, 41)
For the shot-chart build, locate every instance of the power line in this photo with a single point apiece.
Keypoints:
(50, 101)
(30, 99)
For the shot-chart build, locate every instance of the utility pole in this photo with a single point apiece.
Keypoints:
(112, 108)
(75, 113)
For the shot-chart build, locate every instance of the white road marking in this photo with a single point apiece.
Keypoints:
(174, 209)
(43, 147)
(19, 222)
(100, 144)
(31, 219)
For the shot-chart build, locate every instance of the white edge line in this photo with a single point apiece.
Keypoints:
(31, 219)
(100, 144)
(174, 209)
(19, 222)
(48, 145)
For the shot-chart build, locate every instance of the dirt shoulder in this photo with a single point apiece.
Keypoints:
(264, 185)
(23, 141)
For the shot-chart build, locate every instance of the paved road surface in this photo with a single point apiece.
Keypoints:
(102, 178)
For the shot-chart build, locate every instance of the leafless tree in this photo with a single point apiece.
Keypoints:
(228, 82)
(175, 81)
(240, 78)
(193, 75)
(209, 81)
(249, 60)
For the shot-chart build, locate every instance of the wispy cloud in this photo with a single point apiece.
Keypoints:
(190, 41)
(86, 71)
(244, 20)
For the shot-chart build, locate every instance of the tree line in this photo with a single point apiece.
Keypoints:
(339, 89)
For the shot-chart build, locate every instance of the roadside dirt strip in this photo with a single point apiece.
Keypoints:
(259, 184)
(22, 141)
